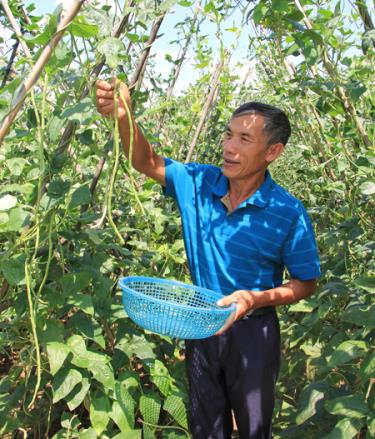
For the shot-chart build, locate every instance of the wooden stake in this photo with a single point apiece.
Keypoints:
(37, 70)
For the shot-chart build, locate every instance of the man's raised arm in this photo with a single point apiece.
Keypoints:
(144, 158)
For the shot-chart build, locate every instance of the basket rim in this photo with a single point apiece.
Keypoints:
(220, 310)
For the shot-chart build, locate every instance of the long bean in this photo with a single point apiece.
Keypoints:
(130, 154)
(116, 149)
(34, 333)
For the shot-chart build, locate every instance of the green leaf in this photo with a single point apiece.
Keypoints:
(367, 188)
(312, 35)
(18, 218)
(280, 5)
(130, 434)
(16, 165)
(344, 429)
(185, 3)
(360, 315)
(87, 434)
(175, 406)
(26, 188)
(43, 37)
(88, 327)
(80, 28)
(347, 351)
(126, 403)
(64, 382)
(366, 283)
(136, 345)
(118, 415)
(82, 301)
(367, 370)
(81, 356)
(7, 202)
(52, 331)
(103, 373)
(54, 128)
(4, 221)
(75, 398)
(310, 401)
(351, 406)
(99, 413)
(305, 306)
(73, 283)
(80, 196)
(110, 48)
(14, 269)
(80, 112)
(161, 377)
(134, 38)
(149, 406)
(57, 353)
(259, 12)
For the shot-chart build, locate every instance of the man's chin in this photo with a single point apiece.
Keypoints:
(227, 172)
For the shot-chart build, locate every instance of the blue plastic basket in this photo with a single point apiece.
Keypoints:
(173, 308)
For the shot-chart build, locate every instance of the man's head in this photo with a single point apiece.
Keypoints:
(276, 123)
(255, 136)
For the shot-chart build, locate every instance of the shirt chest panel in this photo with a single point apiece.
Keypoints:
(246, 232)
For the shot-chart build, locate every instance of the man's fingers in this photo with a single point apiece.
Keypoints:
(106, 109)
(104, 85)
(100, 93)
(104, 101)
(226, 301)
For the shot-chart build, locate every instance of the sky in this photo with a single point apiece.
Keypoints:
(162, 45)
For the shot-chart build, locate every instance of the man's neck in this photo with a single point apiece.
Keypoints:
(242, 189)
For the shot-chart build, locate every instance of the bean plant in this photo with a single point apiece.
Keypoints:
(75, 216)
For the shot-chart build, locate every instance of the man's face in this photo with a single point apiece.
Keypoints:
(244, 147)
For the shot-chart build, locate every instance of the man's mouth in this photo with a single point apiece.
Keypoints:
(230, 162)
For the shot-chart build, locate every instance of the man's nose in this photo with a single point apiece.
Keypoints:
(229, 145)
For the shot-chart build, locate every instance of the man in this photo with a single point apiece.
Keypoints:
(240, 230)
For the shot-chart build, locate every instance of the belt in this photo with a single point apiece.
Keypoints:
(259, 312)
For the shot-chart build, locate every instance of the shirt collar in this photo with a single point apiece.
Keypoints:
(259, 198)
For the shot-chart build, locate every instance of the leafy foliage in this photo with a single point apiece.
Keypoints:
(72, 364)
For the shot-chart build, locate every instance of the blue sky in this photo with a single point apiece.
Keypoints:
(162, 46)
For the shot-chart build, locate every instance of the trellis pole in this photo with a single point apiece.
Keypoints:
(37, 70)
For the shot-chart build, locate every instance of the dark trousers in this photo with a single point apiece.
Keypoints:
(234, 371)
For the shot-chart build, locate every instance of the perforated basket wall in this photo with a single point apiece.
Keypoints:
(173, 308)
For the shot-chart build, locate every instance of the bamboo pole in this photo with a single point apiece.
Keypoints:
(146, 51)
(16, 28)
(206, 107)
(38, 67)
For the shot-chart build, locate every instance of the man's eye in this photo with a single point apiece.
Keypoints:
(245, 139)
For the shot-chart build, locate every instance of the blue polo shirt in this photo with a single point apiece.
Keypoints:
(249, 247)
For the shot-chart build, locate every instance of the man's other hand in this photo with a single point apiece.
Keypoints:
(245, 302)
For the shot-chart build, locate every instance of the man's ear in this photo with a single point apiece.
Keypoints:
(274, 151)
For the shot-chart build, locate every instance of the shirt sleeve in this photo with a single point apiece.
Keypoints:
(300, 253)
(179, 181)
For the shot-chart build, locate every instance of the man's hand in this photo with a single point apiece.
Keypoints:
(245, 302)
(291, 292)
(105, 95)
(243, 298)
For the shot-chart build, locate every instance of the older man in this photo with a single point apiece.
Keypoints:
(241, 230)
